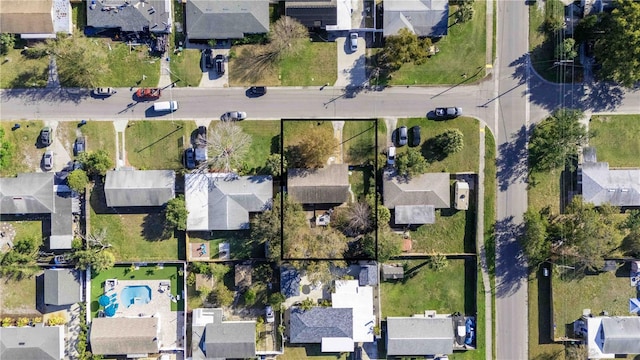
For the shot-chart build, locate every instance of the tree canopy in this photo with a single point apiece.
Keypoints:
(96, 162)
(227, 145)
(450, 142)
(555, 141)
(619, 51)
(314, 150)
(80, 61)
(411, 163)
(7, 41)
(404, 47)
(566, 50)
(78, 180)
(535, 242)
(176, 213)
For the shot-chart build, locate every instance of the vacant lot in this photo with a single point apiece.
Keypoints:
(158, 144)
(359, 141)
(26, 156)
(616, 139)
(294, 130)
(128, 64)
(185, 67)
(265, 140)
(18, 297)
(20, 72)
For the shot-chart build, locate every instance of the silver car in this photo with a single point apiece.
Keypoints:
(233, 116)
(47, 160)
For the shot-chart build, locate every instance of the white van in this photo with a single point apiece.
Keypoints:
(165, 106)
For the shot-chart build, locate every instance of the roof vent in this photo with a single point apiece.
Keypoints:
(624, 190)
(21, 343)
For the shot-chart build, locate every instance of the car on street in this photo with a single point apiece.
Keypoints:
(190, 158)
(234, 116)
(79, 146)
(445, 113)
(402, 136)
(391, 155)
(46, 136)
(269, 314)
(353, 41)
(257, 90)
(104, 91)
(220, 64)
(47, 160)
(415, 136)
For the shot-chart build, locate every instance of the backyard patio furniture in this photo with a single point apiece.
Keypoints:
(104, 300)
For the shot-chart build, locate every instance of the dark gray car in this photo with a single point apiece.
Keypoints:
(402, 136)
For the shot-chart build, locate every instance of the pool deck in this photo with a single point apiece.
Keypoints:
(171, 322)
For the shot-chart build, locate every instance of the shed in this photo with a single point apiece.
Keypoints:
(242, 276)
(368, 275)
(62, 287)
(392, 272)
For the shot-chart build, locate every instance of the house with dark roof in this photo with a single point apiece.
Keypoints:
(420, 335)
(124, 336)
(328, 326)
(315, 14)
(608, 336)
(601, 185)
(327, 185)
(214, 338)
(289, 281)
(139, 187)
(415, 199)
(35, 19)
(226, 19)
(130, 15)
(32, 342)
(62, 286)
(221, 201)
(368, 275)
(425, 18)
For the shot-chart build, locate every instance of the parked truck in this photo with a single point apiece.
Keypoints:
(148, 93)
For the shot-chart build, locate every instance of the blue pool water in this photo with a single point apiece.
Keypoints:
(139, 294)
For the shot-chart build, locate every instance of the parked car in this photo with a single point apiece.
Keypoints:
(391, 155)
(190, 159)
(220, 64)
(443, 113)
(233, 116)
(47, 160)
(353, 41)
(79, 146)
(470, 330)
(208, 59)
(269, 314)
(104, 91)
(257, 90)
(415, 136)
(461, 195)
(148, 93)
(402, 136)
(201, 136)
(46, 136)
(165, 106)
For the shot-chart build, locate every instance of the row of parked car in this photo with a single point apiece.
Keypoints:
(46, 139)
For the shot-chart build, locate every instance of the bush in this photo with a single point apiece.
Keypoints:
(7, 41)
(78, 180)
(23, 321)
(249, 297)
(56, 320)
(7, 321)
(35, 52)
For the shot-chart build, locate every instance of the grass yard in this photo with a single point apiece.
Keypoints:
(79, 16)
(98, 135)
(17, 296)
(151, 272)
(427, 289)
(611, 133)
(185, 66)
(241, 246)
(360, 179)
(128, 67)
(26, 156)
(295, 130)
(158, 144)
(359, 141)
(462, 51)
(540, 346)
(19, 72)
(265, 140)
(544, 190)
(310, 352)
(453, 232)
(466, 160)
(134, 237)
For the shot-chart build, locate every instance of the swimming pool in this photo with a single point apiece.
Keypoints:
(139, 294)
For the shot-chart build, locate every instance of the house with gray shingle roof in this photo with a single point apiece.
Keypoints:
(213, 338)
(139, 187)
(425, 18)
(419, 335)
(315, 14)
(62, 286)
(124, 336)
(130, 15)
(608, 336)
(415, 199)
(32, 342)
(601, 185)
(226, 19)
(327, 185)
(221, 201)
(321, 325)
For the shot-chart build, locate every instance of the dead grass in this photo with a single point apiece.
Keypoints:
(26, 155)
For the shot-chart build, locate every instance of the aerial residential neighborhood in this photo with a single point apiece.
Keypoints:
(326, 179)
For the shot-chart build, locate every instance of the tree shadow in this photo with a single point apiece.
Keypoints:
(511, 265)
(512, 160)
(431, 151)
(153, 227)
(59, 95)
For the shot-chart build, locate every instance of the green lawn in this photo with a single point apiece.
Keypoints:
(427, 289)
(359, 141)
(544, 190)
(540, 346)
(453, 232)
(310, 352)
(128, 67)
(185, 66)
(265, 140)
(150, 272)
(158, 144)
(462, 51)
(134, 237)
(26, 157)
(315, 65)
(612, 132)
(360, 179)
(79, 16)
(466, 160)
(19, 72)
(241, 246)
(17, 296)
(101, 135)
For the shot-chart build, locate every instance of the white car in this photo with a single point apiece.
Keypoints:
(104, 91)
(233, 116)
(391, 155)
(47, 160)
(353, 41)
(269, 314)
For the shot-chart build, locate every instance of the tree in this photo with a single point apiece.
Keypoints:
(555, 141)
(7, 42)
(631, 243)
(566, 50)
(81, 62)
(618, 52)
(227, 146)
(276, 300)
(249, 297)
(632, 222)
(6, 150)
(223, 296)
(78, 180)
(314, 150)
(411, 163)
(586, 29)
(438, 262)
(465, 12)
(287, 36)
(275, 163)
(404, 47)
(176, 213)
(450, 142)
(99, 260)
(96, 162)
(535, 242)
(359, 215)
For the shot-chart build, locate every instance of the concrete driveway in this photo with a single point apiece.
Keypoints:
(210, 77)
(351, 65)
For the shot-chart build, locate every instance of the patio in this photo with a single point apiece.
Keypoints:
(199, 251)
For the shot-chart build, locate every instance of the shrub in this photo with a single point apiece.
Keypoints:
(249, 297)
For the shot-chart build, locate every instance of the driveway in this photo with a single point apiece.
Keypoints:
(210, 77)
(351, 65)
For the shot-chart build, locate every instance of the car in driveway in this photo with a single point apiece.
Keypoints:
(402, 137)
(208, 58)
(46, 136)
(415, 136)
(391, 155)
(233, 116)
(79, 146)
(104, 91)
(220, 64)
(47, 160)
(190, 158)
(269, 314)
(353, 42)
(446, 113)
